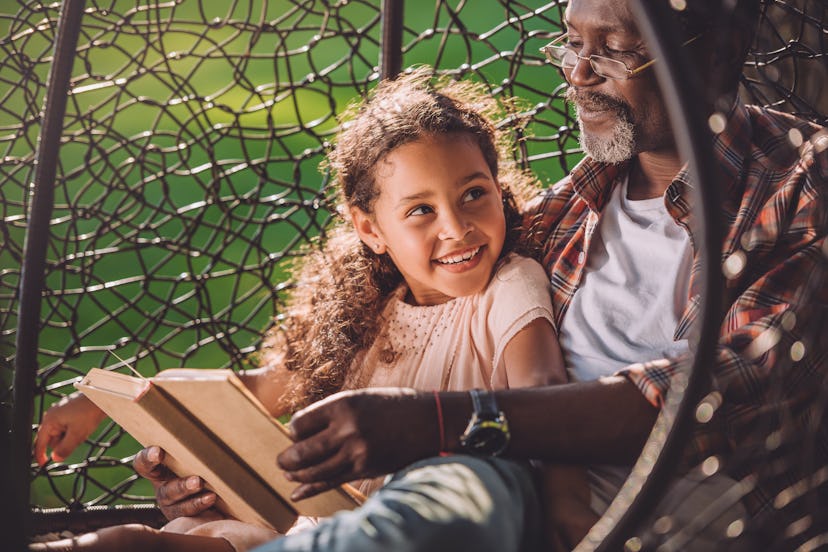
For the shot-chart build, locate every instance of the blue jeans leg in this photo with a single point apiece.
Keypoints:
(450, 503)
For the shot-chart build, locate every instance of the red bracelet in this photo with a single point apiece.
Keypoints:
(440, 424)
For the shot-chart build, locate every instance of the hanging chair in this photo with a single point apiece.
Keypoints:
(160, 171)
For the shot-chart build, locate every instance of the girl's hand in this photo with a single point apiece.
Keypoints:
(358, 434)
(176, 496)
(64, 426)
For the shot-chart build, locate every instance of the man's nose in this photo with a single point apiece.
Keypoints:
(582, 73)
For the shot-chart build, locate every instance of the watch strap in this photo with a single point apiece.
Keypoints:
(488, 430)
(484, 403)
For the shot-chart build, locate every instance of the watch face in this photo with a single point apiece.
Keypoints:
(488, 438)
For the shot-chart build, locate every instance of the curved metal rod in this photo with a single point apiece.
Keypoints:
(391, 45)
(33, 274)
(682, 89)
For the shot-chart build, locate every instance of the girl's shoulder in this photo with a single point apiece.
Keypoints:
(519, 284)
(519, 269)
(518, 294)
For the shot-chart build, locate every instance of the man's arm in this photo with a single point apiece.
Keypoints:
(370, 432)
(603, 421)
(770, 359)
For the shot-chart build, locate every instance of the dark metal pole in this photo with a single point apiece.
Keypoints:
(391, 45)
(682, 89)
(32, 276)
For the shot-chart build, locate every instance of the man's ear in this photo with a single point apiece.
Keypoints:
(366, 229)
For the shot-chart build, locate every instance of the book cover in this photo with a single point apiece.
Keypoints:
(210, 425)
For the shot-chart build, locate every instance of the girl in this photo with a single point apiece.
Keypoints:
(420, 286)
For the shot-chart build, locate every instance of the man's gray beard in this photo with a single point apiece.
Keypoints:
(619, 147)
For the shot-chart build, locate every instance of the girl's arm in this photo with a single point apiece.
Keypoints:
(519, 318)
(271, 385)
(533, 356)
(64, 426)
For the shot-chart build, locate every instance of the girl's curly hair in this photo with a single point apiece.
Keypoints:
(342, 286)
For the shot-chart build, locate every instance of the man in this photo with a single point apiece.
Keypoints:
(620, 252)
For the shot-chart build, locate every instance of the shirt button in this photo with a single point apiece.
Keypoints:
(387, 356)
(581, 257)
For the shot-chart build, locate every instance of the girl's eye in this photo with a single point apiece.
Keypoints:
(474, 193)
(420, 210)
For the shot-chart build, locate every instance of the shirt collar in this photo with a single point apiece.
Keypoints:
(594, 181)
(730, 148)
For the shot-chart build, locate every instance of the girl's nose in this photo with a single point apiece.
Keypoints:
(455, 226)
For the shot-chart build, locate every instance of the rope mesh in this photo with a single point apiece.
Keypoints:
(188, 168)
(188, 174)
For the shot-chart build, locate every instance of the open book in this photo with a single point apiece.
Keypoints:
(210, 425)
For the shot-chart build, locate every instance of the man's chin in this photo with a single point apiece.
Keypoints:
(616, 148)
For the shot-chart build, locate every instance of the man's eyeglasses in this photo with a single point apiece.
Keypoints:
(558, 53)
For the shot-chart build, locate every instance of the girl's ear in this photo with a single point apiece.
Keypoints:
(366, 229)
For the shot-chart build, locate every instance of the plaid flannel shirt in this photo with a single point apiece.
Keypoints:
(774, 247)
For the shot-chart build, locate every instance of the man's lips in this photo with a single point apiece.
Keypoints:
(593, 106)
(588, 114)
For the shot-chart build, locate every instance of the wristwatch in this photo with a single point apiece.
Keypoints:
(488, 430)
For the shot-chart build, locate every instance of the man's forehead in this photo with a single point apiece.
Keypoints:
(604, 16)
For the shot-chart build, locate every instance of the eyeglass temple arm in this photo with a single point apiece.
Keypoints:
(631, 72)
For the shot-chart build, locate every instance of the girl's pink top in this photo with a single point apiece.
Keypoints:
(457, 345)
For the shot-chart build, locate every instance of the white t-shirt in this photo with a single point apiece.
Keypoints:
(633, 291)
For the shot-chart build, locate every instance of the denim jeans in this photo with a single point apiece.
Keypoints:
(449, 503)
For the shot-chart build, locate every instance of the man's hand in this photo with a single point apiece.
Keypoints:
(356, 434)
(176, 496)
(65, 426)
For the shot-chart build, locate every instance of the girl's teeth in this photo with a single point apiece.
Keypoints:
(459, 258)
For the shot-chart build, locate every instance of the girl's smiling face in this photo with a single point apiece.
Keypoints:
(439, 216)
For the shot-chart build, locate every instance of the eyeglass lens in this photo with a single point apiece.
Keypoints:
(602, 66)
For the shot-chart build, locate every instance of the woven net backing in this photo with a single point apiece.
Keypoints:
(188, 170)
